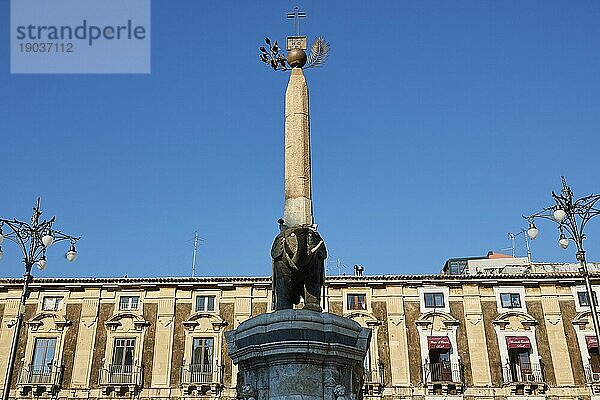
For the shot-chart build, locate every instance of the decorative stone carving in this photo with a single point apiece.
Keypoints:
(193, 322)
(340, 392)
(59, 322)
(247, 392)
(298, 268)
(515, 320)
(116, 321)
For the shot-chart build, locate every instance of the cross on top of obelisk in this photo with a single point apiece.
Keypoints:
(296, 15)
(297, 41)
(296, 46)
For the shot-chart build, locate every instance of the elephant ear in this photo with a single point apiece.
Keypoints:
(277, 249)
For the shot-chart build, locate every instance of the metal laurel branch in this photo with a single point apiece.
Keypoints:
(273, 57)
(319, 52)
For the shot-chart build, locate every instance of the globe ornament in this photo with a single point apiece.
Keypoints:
(296, 58)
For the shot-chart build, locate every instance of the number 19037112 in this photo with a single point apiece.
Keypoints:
(46, 47)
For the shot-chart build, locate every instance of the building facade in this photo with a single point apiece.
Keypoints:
(467, 336)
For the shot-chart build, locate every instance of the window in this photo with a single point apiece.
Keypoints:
(202, 351)
(594, 360)
(434, 300)
(43, 357)
(357, 302)
(202, 360)
(52, 303)
(584, 300)
(519, 364)
(123, 352)
(129, 303)
(439, 365)
(205, 303)
(510, 300)
(458, 267)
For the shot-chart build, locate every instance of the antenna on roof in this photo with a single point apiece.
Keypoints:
(336, 263)
(197, 240)
(512, 237)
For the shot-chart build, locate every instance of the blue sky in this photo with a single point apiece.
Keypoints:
(435, 126)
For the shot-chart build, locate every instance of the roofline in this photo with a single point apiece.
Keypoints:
(341, 279)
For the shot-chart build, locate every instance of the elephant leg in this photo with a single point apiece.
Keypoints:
(312, 284)
(283, 287)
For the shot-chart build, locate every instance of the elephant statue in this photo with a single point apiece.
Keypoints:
(298, 267)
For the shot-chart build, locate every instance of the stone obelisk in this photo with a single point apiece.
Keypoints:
(298, 196)
(298, 251)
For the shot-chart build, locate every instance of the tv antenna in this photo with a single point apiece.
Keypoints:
(513, 236)
(197, 241)
(337, 263)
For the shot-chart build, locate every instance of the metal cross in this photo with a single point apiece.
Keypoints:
(296, 15)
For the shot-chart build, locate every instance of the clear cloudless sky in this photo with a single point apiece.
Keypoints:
(435, 125)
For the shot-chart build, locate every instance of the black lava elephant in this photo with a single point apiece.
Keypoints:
(298, 268)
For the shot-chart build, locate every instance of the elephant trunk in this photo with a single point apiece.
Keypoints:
(316, 248)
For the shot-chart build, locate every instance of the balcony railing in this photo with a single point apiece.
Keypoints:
(199, 373)
(48, 374)
(590, 375)
(442, 372)
(372, 376)
(121, 375)
(523, 373)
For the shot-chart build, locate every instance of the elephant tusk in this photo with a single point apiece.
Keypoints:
(316, 248)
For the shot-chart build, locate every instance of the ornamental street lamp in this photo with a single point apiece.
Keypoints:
(33, 240)
(571, 216)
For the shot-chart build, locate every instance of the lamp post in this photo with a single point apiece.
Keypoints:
(33, 240)
(571, 216)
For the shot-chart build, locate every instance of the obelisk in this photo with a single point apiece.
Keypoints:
(298, 195)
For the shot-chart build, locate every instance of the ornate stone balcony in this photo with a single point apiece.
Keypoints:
(121, 378)
(373, 381)
(201, 378)
(40, 379)
(524, 378)
(443, 378)
(590, 375)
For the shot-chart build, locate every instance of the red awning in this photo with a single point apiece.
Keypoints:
(592, 342)
(438, 342)
(518, 342)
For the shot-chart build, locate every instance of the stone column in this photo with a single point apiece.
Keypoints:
(298, 197)
(480, 365)
(398, 337)
(86, 337)
(556, 336)
(163, 342)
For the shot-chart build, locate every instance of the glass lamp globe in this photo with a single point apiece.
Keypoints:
(532, 232)
(1, 237)
(41, 264)
(559, 214)
(1, 254)
(71, 254)
(47, 239)
(563, 241)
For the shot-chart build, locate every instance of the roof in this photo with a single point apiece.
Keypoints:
(331, 280)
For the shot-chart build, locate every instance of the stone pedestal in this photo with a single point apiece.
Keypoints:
(299, 355)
